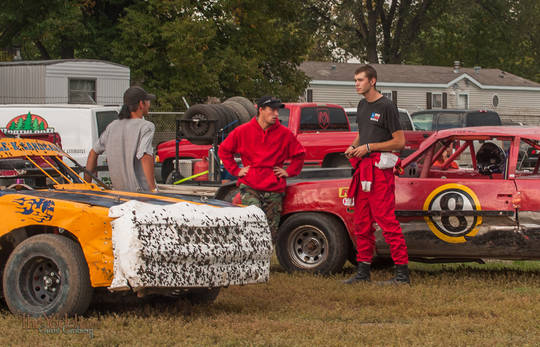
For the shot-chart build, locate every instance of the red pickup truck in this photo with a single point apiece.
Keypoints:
(323, 130)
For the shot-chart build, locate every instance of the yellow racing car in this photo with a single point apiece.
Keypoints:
(62, 237)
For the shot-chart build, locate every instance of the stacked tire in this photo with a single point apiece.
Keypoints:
(201, 122)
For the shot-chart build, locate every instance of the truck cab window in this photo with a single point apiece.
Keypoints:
(104, 118)
(423, 121)
(283, 116)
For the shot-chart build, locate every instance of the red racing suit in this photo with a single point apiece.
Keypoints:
(375, 203)
(262, 150)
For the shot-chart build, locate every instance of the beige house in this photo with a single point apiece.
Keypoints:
(418, 87)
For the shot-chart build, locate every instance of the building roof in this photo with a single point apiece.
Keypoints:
(56, 61)
(409, 75)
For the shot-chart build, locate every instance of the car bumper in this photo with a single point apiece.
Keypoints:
(188, 245)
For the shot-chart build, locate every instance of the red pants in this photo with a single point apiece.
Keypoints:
(378, 206)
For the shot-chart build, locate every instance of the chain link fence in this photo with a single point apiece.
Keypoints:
(165, 123)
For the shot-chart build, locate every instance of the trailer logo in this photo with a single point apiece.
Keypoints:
(27, 123)
(39, 210)
(454, 225)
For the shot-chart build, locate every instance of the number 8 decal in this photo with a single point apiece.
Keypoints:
(453, 197)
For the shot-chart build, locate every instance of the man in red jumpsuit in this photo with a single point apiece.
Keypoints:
(379, 133)
(264, 145)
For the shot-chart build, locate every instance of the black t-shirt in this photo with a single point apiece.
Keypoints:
(377, 120)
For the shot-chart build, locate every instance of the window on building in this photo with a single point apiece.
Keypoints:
(82, 91)
(309, 95)
(387, 94)
(495, 101)
(463, 101)
(436, 101)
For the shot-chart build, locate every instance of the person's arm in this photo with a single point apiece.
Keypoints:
(395, 144)
(91, 165)
(297, 154)
(226, 154)
(147, 163)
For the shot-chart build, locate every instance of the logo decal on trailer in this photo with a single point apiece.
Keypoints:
(453, 197)
(27, 123)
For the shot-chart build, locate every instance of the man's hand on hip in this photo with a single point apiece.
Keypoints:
(243, 171)
(280, 172)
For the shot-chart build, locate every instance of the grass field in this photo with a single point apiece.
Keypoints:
(496, 304)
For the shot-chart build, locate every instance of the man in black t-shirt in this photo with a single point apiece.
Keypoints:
(372, 186)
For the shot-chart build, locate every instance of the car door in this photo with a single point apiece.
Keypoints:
(453, 213)
(527, 178)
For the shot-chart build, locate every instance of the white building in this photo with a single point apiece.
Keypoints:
(420, 87)
(69, 81)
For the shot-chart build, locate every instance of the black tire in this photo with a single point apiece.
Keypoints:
(241, 112)
(202, 296)
(312, 242)
(202, 131)
(47, 275)
(248, 105)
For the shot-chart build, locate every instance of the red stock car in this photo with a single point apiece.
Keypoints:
(486, 206)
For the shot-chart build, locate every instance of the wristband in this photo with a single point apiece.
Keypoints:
(367, 147)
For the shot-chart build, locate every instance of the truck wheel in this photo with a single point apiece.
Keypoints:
(47, 275)
(312, 242)
(202, 296)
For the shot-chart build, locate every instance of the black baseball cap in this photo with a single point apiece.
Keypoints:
(270, 102)
(135, 94)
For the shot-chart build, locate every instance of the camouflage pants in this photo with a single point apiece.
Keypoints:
(269, 202)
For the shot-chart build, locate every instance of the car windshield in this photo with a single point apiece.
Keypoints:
(38, 164)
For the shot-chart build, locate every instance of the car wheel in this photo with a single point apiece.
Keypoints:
(312, 242)
(202, 296)
(47, 275)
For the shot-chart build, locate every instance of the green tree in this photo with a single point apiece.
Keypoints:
(377, 31)
(501, 34)
(214, 48)
(52, 29)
